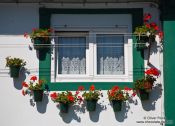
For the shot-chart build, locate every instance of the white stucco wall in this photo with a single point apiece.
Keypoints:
(16, 110)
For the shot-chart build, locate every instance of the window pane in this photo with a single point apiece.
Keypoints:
(110, 54)
(71, 55)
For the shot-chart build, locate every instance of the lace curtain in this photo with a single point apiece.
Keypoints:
(110, 54)
(71, 55)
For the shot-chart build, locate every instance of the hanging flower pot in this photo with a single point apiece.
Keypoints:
(40, 43)
(14, 71)
(142, 42)
(15, 65)
(91, 105)
(64, 107)
(144, 95)
(38, 95)
(117, 105)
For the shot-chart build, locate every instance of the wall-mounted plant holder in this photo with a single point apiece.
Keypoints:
(14, 71)
(91, 105)
(117, 105)
(64, 107)
(40, 43)
(142, 43)
(144, 95)
(38, 95)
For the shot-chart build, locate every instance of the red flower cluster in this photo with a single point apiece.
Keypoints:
(92, 88)
(147, 17)
(24, 84)
(153, 25)
(152, 71)
(71, 98)
(54, 95)
(34, 78)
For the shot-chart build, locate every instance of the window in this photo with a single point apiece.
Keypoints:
(71, 55)
(110, 54)
(83, 56)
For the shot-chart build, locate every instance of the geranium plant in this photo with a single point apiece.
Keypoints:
(39, 32)
(147, 32)
(91, 97)
(39, 37)
(148, 28)
(15, 65)
(92, 94)
(145, 84)
(117, 95)
(34, 87)
(65, 98)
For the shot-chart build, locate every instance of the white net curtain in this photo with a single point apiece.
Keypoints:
(110, 55)
(71, 56)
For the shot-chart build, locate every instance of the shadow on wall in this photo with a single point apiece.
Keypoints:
(94, 116)
(42, 106)
(155, 94)
(18, 81)
(122, 115)
(72, 114)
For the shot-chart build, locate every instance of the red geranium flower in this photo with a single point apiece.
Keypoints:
(160, 34)
(134, 94)
(26, 35)
(80, 88)
(127, 89)
(92, 87)
(23, 92)
(152, 71)
(148, 25)
(71, 98)
(147, 16)
(24, 84)
(54, 95)
(115, 88)
(34, 78)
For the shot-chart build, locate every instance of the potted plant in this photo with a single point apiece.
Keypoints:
(91, 97)
(144, 85)
(40, 37)
(146, 33)
(34, 87)
(64, 99)
(15, 65)
(116, 96)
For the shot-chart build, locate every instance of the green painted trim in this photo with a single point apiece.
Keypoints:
(44, 65)
(169, 68)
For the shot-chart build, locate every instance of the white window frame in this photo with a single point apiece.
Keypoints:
(91, 53)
